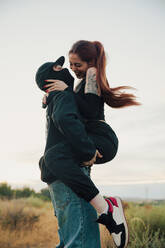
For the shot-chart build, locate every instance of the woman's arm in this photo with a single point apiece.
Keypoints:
(89, 104)
(91, 85)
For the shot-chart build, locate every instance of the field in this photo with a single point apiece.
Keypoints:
(30, 223)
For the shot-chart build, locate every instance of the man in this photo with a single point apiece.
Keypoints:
(76, 217)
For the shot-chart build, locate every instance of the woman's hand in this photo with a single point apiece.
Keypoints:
(55, 85)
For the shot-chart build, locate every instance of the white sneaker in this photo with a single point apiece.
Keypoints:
(115, 222)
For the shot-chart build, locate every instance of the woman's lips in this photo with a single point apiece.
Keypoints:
(78, 74)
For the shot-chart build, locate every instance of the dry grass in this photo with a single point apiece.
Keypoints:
(106, 240)
(43, 234)
(31, 224)
(17, 230)
(40, 234)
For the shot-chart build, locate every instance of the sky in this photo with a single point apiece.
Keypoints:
(132, 32)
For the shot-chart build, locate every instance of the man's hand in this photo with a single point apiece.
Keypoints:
(91, 162)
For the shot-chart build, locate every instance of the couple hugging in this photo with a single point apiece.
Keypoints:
(78, 137)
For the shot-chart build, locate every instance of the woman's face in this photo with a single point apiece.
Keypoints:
(78, 66)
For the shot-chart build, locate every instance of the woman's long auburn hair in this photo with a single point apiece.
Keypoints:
(93, 52)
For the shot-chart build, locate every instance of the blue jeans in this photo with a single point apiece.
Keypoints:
(76, 218)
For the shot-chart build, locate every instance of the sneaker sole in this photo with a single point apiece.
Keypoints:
(120, 204)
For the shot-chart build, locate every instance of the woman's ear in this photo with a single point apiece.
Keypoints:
(91, 63)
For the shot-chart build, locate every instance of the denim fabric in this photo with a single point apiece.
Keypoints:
(76, 218)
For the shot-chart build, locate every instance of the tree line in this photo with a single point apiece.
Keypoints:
(6, 192)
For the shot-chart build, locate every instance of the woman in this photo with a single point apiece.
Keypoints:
(88, 61)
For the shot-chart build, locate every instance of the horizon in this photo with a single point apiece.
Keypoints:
(146, 191)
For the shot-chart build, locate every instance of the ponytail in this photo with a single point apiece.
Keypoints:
(114, 97)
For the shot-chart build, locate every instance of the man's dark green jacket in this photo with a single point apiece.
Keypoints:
(64, 125)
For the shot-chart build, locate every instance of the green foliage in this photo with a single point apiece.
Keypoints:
(146, 225)
(5, 191)
(44, 194)
(146, 238)
(152, 216)
(25, 192)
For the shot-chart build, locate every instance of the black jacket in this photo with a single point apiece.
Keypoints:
(64, 125)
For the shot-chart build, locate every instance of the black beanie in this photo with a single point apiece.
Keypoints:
(46, 71)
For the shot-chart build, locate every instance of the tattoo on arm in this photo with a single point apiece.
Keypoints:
(91, 85)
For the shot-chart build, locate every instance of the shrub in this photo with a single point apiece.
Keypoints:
(15, 215)
(5, 191)
(24, 192)
(44, 194)
(30, 232)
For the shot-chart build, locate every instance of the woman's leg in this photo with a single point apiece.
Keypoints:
(105, 146)
(104, 138)
(112, 216)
